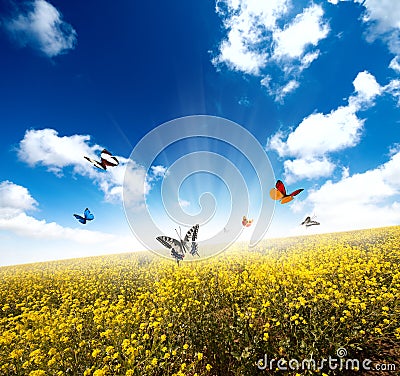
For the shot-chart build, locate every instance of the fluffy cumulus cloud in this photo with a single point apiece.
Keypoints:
(14, 200)
(306, 29)
(46, 148)
(40, 25)
(15, 204)
(318, 135)
(262, 34)
(363, 200)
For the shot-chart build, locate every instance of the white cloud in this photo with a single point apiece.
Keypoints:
(366, 88)
(394, 64)
(41, 27)
(238, 56)
(393, 88)
(158, 171)
(345, 172)
(45, 147)
(136, 185)
(361, 200)
(320, 134)
(277, 91)
(16, 201)
(307, 28)
(28, 226)
(307, 59)
(308, 168)
(264, 33)
(383, 14)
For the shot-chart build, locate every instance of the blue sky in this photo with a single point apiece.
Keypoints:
(316, 83)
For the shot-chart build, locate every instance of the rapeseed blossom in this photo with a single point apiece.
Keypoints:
(137, 314)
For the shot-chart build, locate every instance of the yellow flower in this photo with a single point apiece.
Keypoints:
(99, 372)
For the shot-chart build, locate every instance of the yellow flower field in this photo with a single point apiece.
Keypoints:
(138, 314)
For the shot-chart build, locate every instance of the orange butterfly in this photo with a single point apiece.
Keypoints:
(246, 222)
(279, 193)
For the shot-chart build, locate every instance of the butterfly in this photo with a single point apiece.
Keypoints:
(246, 222)
(87, 216)
(107, 159)
(309, 222)
(279, 193)
(180, 247)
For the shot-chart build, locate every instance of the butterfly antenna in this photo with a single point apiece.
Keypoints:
(180, 233)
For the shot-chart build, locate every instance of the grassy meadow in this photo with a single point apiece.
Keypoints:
(139, 314)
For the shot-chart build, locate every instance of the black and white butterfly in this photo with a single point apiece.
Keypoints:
(180, 247)
(106, 159)
(310, 222)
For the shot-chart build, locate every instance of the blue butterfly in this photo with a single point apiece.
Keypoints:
(88, 216)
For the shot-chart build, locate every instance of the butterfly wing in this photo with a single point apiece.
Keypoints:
(286, 199)
(249, 223)
(275, 194)
(312, 223)
(290, 196)
(97, 164)
(168, 242)
(88, 215)
(172, 244)
(194, 249)
(108, 159)
(307, 220)
(80, 218)
(192, 234)
(176, 255)
(296, 192)
(280, 187)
